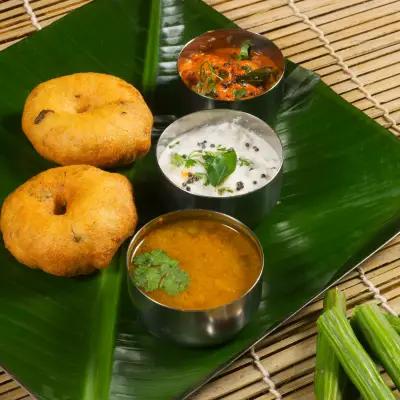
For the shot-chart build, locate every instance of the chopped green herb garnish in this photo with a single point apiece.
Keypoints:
(171, 146)
(195, 153)
(190, 163)
(239, 93)
(177, 160)
(221, 148)
(245, 162)
(244, 51)
(191, 158)
(218, 165)
(209, 156)
(247, 68)
(224, 189)
(157, 271)
(200, 175)
(206, 83)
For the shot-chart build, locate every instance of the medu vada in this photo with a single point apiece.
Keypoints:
(88, 118)
(70, 220)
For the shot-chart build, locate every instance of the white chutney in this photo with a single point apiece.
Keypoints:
(257, 162)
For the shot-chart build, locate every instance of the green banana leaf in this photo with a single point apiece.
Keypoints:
(80, 339)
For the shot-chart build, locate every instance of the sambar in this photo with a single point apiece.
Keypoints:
(221, 263)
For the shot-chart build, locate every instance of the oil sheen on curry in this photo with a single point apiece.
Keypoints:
(229, 74)
(195, 264)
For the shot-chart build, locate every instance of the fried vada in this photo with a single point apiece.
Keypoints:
(70, 220)
(88, 118)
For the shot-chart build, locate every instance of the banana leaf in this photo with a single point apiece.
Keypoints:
(80, 338)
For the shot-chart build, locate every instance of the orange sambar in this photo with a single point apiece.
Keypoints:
(222, 263)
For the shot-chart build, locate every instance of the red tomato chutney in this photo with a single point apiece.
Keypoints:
(229, 73)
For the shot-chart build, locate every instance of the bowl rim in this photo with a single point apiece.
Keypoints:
(250, 234)
(233, 31)
(221, 198)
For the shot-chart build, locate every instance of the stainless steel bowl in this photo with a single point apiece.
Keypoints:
(203, 327)
(250, 208)
(264, 106)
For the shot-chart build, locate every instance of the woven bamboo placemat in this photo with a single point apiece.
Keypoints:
(365, 34)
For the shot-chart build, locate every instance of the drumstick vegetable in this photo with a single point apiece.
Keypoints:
(381, 337)
(394, 321)
(330, 378)
(355, 361)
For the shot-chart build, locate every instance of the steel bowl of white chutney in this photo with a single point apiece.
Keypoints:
(223, 160)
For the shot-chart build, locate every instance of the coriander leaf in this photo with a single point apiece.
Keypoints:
(245, 162)
(148, 278)
(244, 51)
(209, 157)
(156, 270)
(239, 93)
(160, 257)
(144, 259)
(221, 167)
(177, 160)
(139, 276)
(174, 281)
(190, 163)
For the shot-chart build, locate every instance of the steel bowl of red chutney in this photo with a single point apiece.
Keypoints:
(232, 68)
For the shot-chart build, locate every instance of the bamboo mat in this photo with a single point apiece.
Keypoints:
(366, 34)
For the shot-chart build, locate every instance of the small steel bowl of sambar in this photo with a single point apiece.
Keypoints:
(195, 317)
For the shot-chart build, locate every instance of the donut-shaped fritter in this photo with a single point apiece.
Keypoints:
(69, 221)
(88, 118)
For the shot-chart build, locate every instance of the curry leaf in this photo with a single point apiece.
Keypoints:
(256, 77)
(223, 165)
(239, 93)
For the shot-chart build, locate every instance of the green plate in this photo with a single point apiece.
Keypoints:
(80, 339)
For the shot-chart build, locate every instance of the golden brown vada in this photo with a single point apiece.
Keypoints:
(69, 221)
(88, 118)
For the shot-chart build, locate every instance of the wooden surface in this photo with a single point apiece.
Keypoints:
(366, 33)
